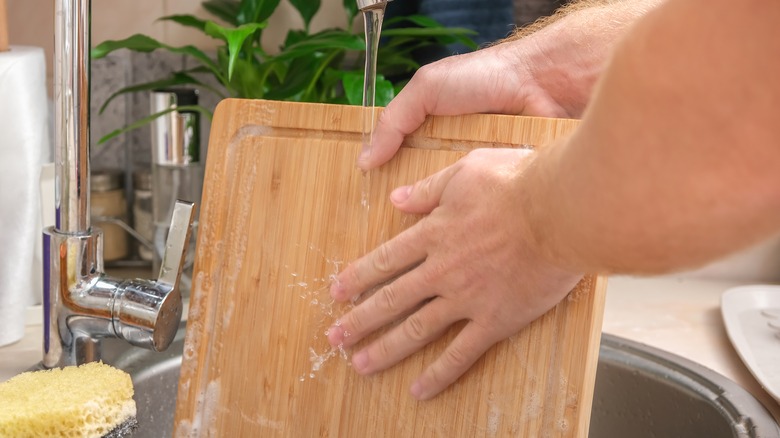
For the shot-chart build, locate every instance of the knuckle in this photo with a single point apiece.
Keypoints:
(354, 323)
(414, 328)
(455, 357)
(387, 299)
(383, 349)
(425, 73)
(435, 272)
(382, 260)
(422, 189)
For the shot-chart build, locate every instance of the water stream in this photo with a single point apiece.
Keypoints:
(372, 18)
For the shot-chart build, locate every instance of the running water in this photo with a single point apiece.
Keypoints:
(372, 18)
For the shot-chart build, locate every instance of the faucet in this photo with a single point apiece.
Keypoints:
(371, 4)
(81, 304)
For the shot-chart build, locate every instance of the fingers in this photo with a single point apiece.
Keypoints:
(390, 303)
(425, 194)
(415, 332)
(470, 344)
(380, 265)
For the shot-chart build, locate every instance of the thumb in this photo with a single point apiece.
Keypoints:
(424, 195)
(402, 116)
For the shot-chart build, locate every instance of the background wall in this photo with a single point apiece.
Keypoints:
(31, 22)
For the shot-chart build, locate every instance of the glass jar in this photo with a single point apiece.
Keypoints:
(108, 206)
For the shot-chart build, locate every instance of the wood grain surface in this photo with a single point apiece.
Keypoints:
(3, 26)
(281, 214)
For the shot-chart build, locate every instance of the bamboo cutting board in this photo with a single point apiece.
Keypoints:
(281, 214)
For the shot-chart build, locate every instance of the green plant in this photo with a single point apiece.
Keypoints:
(325, 66)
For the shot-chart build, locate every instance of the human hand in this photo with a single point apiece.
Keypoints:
(548, 69)
(468, 260)
(498, 80)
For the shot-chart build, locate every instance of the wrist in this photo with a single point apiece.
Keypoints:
(543, 219)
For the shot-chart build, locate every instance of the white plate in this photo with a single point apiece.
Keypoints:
(747, 311)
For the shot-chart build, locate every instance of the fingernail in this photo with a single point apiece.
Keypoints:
(417, 391)
(336, 290)
(365, 154)
(335, 335)
(360, 361)
(401, 194)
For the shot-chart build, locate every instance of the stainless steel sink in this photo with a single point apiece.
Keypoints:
(640, 392)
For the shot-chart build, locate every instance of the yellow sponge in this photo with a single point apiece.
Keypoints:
(90, 400)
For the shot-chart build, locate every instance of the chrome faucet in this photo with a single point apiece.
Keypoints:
(81, 304)
(371, 4)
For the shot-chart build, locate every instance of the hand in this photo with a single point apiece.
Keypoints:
(469, 261)
(546, 70)
(497, 79)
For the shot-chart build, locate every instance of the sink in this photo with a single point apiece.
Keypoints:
(640, 392)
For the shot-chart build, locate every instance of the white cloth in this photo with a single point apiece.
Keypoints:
(24, 142)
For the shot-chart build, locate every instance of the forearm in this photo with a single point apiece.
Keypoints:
(567, 51)
(676, 161)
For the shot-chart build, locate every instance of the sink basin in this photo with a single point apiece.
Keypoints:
(640, 392)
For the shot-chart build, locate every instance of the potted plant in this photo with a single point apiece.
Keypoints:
(324, 66)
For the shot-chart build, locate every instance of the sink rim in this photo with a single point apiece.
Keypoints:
(747, 416)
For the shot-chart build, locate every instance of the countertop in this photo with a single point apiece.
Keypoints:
(677, 314)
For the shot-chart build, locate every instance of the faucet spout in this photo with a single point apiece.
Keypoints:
(371, 4)
(81, 304)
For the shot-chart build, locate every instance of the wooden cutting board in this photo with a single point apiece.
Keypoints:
(281, 214)
(3, 26)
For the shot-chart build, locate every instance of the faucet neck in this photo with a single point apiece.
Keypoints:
(72, 99)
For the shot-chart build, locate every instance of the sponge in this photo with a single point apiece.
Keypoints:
(91, 400)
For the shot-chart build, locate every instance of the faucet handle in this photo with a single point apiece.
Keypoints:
(177, 244)
(147, 313)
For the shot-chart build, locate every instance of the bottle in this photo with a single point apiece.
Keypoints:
(176, 169)
(109, 206)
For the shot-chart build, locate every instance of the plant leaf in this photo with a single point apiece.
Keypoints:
(353, 89)
(186, 20)
(308, 9)
(427, 27)
(299, 74)
(256, 11)
(178, 78)
(225, 10)
(149, 119)
(428, 32)
(352, 10)
(248, 80)
(326, 40)
(235, 39)
(385, 91)
(294, 36)
(145, 44)
(417, 19)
